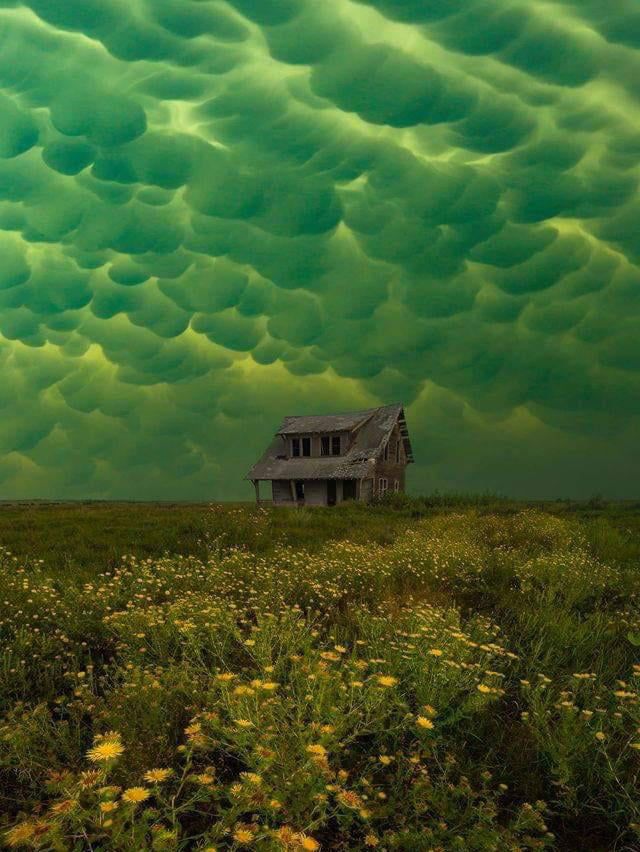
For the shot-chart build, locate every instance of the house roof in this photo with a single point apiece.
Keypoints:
(301, 424)
(372, 427)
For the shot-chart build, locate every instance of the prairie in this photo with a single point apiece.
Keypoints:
(423, 674)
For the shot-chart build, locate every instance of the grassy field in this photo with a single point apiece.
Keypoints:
(427, 674)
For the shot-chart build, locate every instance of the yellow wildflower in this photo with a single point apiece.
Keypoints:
(135, 795)
(423, 722)
(242, 834)
(157, 776)
(387, 680)
(20, 834)
(107, 748)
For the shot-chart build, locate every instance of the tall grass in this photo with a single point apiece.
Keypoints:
(467, 678)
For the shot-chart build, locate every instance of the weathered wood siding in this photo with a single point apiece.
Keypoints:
(391, 469)
(366, 490)
(315, 492)
(281, 490)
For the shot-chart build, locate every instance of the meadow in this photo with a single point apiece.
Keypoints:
(433, 674)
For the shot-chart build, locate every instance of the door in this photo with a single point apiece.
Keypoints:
(349, 489)
(331, 492)
(299, 491)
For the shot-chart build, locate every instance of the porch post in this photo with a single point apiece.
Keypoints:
(256, 485)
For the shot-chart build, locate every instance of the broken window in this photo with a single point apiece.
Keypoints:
(335, 445)
(325, 447)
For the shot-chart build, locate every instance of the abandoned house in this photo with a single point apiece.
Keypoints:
(321, 460)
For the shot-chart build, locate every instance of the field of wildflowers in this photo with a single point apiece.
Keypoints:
(462, 680)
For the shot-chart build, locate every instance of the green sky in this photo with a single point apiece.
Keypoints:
(213, 214)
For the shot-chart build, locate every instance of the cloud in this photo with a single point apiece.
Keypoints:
(215, 213)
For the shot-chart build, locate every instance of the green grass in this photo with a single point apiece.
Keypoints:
(437, 673)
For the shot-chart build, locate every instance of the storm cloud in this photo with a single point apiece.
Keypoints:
(216, 213)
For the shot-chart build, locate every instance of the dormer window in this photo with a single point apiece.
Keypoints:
(300, 447)
(330, 445)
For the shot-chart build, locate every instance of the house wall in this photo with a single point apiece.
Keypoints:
(390, 470)
(281, 491)
(315, 492)
(366, 490)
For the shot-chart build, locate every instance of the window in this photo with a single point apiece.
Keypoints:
(383, 484)
(386, 451)
(295, 447)
(306, 446)
(325, 445)
(397, 451)
(336, 448)
(396, 485)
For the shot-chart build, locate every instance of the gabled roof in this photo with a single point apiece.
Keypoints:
(371, 426)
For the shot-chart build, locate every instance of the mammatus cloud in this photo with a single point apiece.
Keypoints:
(216, 213)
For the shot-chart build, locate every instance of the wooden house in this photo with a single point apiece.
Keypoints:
(321, 460)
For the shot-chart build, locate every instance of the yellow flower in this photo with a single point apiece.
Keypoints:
(317, 750)
(135, 795)
(108, 748)
(203, 778)
(243, 835)
(385, 760)
(429, 710)
(634, 745)
(387, 680)
(482, 687)
(225, 676)
(244, 723)
(435, 652)
(371, 840)
(600, 735)
(107, 807)
(309, 843)
(425, 723)
(157, 776)
(64, 807)
(20, 834)
(270, 685)
(243, 690)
